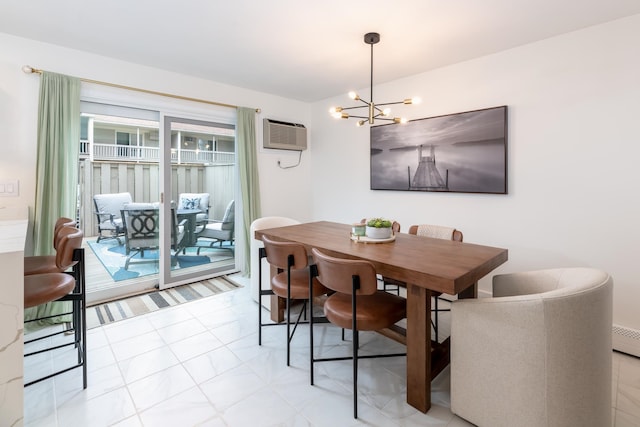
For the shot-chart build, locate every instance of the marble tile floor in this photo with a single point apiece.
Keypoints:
(198, 364)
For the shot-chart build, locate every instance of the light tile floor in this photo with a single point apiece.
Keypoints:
(198, 364)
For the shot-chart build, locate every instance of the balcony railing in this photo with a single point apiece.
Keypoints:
(152, 154)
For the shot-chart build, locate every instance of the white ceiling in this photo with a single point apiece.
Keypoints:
(295, 48)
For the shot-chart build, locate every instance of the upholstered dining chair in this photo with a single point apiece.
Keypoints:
(292, 282)
(62, 286)
(356, 304)
(260, 224)
(538, 353)
(436, 232)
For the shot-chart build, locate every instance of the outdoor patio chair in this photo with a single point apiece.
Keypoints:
(142, 232)
(196, 201)
(219, 230)
(107, 210)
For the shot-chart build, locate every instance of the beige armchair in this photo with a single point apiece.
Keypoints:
(536, 354)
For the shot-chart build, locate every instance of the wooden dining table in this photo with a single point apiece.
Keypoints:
(425, 265)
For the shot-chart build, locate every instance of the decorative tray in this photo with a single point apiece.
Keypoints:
(365, 239)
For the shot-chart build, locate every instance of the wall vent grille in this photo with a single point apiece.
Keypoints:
(284, 135)
(626, 340)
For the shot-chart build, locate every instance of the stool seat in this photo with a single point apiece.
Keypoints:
(376, 311)
(299, 285)
(43, 288)
(40, 264)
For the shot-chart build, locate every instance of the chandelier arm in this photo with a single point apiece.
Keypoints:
(351, 108)
(392, 103)
(358, 117)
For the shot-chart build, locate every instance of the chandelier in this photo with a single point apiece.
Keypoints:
(375, 112)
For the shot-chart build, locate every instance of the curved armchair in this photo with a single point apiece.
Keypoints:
(538, 353)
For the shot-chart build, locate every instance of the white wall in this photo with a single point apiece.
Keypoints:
(574, 103)
(574, 150)
(19, 108)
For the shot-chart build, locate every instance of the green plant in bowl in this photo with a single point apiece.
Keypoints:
(378, 228)
(379, 223)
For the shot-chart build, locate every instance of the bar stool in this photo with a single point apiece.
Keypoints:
(356, 304)
(62, 286)
(291, 282)
(39, 264)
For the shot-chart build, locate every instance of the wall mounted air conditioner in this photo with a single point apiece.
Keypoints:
(284, 135)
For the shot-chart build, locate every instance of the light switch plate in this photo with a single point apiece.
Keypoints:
(10, 188)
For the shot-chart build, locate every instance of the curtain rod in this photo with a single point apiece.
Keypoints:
(29, 69)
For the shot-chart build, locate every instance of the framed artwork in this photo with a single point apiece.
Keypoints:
(460, 153)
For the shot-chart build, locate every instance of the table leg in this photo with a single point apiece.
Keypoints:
(470, 292)
(419, 347)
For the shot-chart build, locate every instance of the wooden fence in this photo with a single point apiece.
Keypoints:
(142, 180)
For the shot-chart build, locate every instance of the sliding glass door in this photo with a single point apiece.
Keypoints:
(180, 176)
(198, 200)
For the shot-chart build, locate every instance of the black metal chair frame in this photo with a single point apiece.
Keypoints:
(78, 324)
(355, 339)
(262, 253)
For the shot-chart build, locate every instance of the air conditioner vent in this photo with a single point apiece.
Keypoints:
(284, 135)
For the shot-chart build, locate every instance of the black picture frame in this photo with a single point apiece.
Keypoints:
(459, 153)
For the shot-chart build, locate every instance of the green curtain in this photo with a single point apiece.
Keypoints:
(56, 170)
(249, 184)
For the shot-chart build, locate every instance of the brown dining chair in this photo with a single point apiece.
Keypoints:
(356, 304)
(436, 232)
(62, 286)
(291, 282)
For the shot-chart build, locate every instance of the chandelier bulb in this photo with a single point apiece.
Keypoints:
(354, 96)
(359, 123)
(414, 100)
